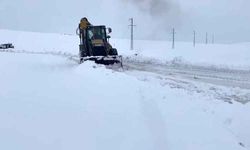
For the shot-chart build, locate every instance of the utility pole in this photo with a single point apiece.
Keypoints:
(206, 38)
(132, 33)
(173, 44)
(213, 39)
(194, 40)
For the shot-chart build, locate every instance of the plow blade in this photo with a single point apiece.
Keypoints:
(105, 60)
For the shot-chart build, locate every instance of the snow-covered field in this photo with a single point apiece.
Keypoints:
(51, 102)
(229, 56)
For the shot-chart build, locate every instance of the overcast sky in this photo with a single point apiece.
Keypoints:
(228, 20)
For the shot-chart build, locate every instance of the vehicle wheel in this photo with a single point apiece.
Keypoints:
(113, 51)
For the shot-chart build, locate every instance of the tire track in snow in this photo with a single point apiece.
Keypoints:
(155, 122)
(223, 85)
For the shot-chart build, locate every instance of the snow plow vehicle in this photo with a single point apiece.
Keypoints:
(95, 46)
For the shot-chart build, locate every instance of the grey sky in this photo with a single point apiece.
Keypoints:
(228, 20)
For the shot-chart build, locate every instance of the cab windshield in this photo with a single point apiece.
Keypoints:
(96, 33)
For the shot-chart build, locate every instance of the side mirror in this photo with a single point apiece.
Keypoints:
(108, 36)
(109, 30)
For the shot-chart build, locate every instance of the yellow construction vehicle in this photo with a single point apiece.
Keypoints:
(94, 44)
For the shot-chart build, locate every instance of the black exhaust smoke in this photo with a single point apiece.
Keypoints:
(153, 7)
(161, 16)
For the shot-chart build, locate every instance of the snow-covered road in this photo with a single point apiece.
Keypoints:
(231, 78)
(225, 84)
(223, 77)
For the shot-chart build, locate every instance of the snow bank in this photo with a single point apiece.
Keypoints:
(228, 56)
(40, 42)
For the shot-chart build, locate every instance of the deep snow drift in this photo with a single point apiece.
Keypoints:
(50, 102)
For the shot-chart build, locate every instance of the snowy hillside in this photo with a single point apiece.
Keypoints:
(51, 102)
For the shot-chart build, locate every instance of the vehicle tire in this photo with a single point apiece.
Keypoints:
(113, 51)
